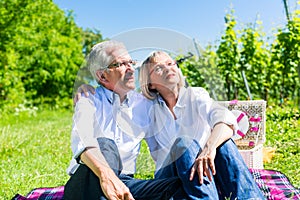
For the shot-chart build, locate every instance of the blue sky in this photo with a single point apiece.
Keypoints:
(198, 19)
(144, 25)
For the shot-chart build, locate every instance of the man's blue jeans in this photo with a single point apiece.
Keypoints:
(84, 184)
(233, 179)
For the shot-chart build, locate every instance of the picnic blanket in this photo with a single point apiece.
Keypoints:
(49, 193)
(274, 185)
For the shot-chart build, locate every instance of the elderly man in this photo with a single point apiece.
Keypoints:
(104, 154)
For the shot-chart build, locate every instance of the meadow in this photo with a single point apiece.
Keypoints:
(35, 149)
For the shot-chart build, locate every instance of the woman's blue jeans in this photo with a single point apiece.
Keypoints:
(232, 180)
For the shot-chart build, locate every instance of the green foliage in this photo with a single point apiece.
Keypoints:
(228, 57)
(204, 72)
(244, 58)
(40, 51)
(90, 38)
(191, 70)
(254, 61)
(285, 59)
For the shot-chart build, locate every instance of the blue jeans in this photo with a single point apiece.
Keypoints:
(233, 179)
(84, 184)
(182, 156)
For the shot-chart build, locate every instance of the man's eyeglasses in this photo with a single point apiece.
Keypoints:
(131, 63)
(160, 67)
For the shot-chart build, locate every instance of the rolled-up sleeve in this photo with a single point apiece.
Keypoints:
(219, 113)
(214, 112)
(83, 127)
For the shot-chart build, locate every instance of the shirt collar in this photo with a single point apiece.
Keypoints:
(181, 95)
(160, 100)
(111, 96)
(180, 101)
(107, 93)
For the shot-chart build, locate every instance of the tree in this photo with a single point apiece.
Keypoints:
(255, 60)
(40, 51)
(228, 58)
(90, 38)
(285, 59)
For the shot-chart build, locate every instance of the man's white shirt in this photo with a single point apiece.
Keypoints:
(102, 115)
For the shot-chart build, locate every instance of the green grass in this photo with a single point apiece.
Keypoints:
(283, 133)
(35, 150)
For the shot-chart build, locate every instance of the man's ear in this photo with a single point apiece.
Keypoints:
(151, 86)
(101, 76)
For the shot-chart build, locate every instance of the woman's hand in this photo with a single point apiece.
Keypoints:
(206, 159)
(203, 164)
(84, 88)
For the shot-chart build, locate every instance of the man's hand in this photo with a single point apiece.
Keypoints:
(203, 164)
(84, 88)
(113, 187)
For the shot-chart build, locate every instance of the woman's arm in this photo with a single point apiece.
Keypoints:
(205, 160)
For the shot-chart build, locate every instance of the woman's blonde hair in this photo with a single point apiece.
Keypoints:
(144, 75)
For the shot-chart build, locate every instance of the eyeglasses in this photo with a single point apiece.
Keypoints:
(130, 63)
(160, 67)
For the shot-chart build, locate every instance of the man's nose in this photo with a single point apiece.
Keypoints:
(129, 68)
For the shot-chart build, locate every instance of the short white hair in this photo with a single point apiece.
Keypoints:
(101, 56)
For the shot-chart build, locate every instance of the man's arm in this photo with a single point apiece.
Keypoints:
(111, 185)
(85, 145)
(205, 160)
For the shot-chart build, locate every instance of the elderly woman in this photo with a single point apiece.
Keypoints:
(191, 136)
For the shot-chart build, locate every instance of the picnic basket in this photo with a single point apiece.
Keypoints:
(250, 144)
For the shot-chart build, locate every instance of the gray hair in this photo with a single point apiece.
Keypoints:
(101, 56)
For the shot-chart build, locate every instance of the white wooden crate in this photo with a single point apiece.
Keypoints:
(253, 157)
